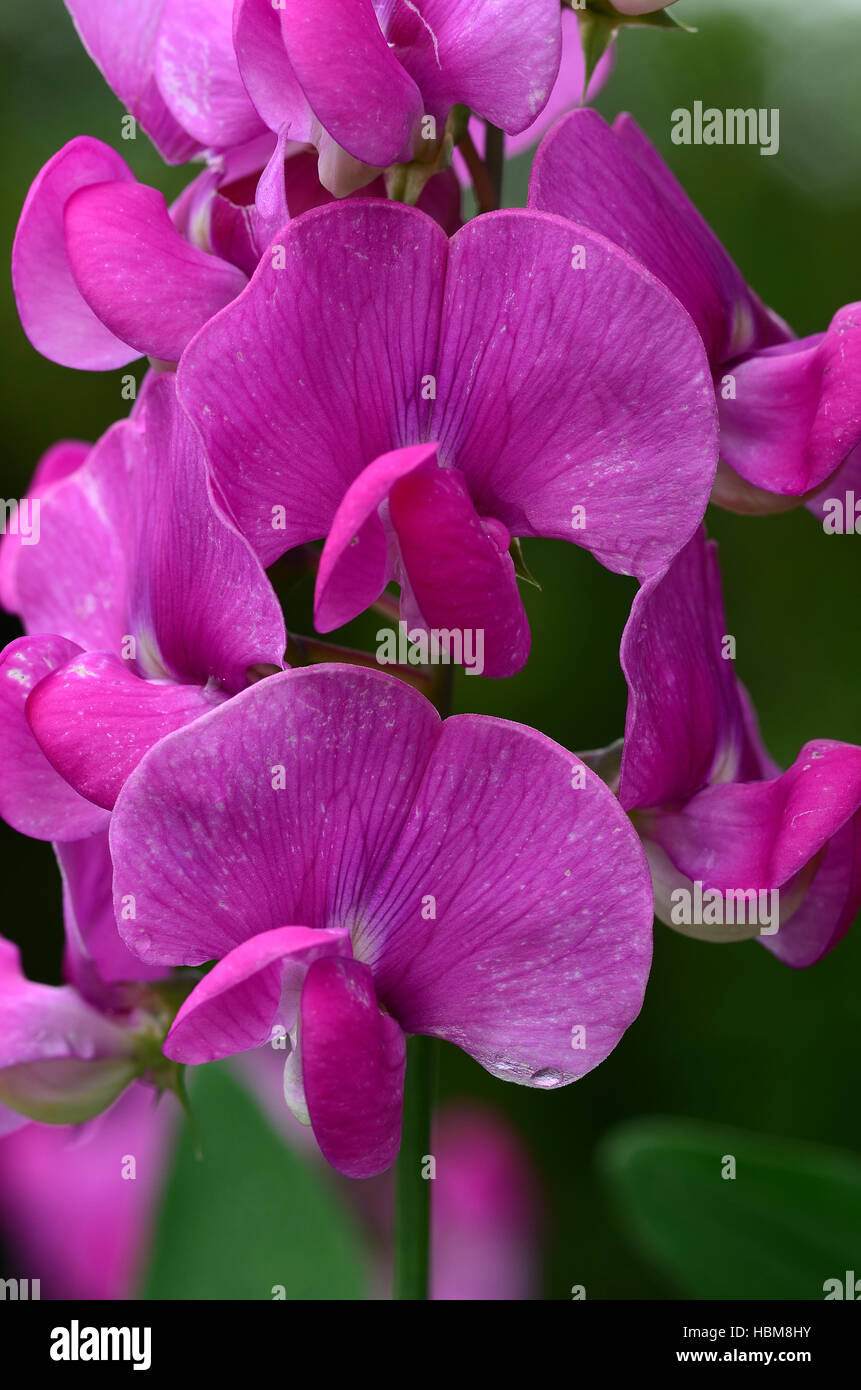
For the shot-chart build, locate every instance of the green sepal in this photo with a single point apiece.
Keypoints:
(521, 569)
(601, 22)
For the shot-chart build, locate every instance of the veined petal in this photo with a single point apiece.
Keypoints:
(34, 798)
(54, 314)
(120, 37)
(94, 718)
(795, 415)
(685, 725)
(602, 179)
(197, 73)
(354, 567)
(96, 955)
(269, 79)
(359, 92)
(54, 465)
(458, 571)
(235, 1006)
(529, 949)
(324, 764)
(500, 60)
(545, 400)
(74, 582)
(759, 835)
(353, 1067)
(316, 370)
(138, 275)
(199, 603)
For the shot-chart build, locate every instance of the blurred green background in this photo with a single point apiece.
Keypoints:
(727, 1034)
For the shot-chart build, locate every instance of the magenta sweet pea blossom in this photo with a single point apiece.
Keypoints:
(790, 409)
(104, 271)
(144, 608)
(712, 808)
(361, 871)
(418, 402)
(63, 1058)
(371, 82)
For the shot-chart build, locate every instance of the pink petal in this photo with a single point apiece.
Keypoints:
(54, 314)
(235, 1006)
(295, 389)
(59, 461)
(325, 761)
(198, 76)
(796, 415)
(353, 1066)
(34, 798)
(48, 1033)
(685, 724)
(354, 567)
(353, 81)
(94, 719)
(269, 79)
(458, 570)
(627, 442)
(829, 905)
(199, 602)
(501, 61)
(74, 582)
(846, 479)
(585, 171)
(120, 37)
(95, 953)
(542, 926)
(760, 834)
(138, 275)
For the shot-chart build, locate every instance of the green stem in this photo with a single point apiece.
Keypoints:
(413, 1191)
(494, 159)
(413, 1195)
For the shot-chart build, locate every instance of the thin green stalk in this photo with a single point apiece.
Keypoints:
(414, 1182)
(494, 159)
(413, 1194)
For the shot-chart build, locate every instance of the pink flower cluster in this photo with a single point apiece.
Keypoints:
(393, 395)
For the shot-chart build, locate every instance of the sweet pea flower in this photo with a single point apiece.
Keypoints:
(360, 871)
(372, 82)
(172, 65)
(790, 409)
(105, 272)
(710, 804)
(69, 1209)
(143, 606)
(64, 1059)
(418, 402)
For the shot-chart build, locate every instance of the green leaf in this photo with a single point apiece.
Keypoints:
(251, 1214)
(787, 1222)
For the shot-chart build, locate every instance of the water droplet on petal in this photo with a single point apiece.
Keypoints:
(547, 1078)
